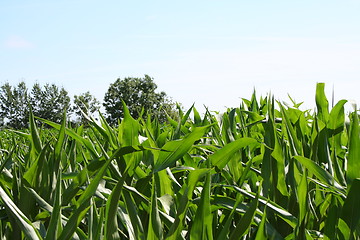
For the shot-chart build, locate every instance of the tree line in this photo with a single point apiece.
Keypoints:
(51, 101)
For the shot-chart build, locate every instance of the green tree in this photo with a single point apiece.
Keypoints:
(14, 105)
(49, 102)
(139, 95)
(85, 103)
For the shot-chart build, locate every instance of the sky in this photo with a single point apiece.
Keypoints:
(211, 53)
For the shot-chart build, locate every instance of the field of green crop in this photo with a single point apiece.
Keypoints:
(263, 170)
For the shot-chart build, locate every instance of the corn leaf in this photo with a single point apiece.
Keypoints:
(221, 157)
(23, 222)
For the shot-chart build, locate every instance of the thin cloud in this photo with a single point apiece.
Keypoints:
(18, 43)
(240, 38)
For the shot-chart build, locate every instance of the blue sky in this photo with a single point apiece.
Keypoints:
(209, 53)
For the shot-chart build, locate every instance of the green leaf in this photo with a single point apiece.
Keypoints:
(296, 148)
(277, 154)
(284, 214)
(322, 103)
(337, 118)
(155, 229)
(111, 226)
(331, 221)
(303, 205)
(55, 220)
(221, 157)
(344, 230)
(178, 225)
(244, 224)
(136, 224)
(351, 211)
(261, 232)
(302, 193)
(83, 203)
(202, 223)
(105, 131)
(319, 172)
(230, 203)
(174, 150)
(23, 222)
(353, 163)
(35, 138)
(87, 143)
(74, 221)
(91, 188)
(129, 129)
(197, 118)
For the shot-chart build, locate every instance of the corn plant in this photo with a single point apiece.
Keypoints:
(264, 170)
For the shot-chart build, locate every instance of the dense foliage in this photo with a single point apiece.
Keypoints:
(139, 95)
(85, 105)
(50, 101)
(263, 170)
(14, 105)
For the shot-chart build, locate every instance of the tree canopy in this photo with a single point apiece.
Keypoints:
(14, 107)
(47, 102)
(85, 103)
(51, 101)
(139, 95)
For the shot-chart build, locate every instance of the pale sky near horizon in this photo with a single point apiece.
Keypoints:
(209, 53)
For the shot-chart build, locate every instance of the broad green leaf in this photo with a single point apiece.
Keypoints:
(337, 118)
(243, 225)
(87, 143)
(33, 173)
(35, 138)
(351, 211)
(322, 103)
(261, 231)
(197, 118)
(302, 193)
(55, 220)
(331, 221)
(111, 225)
(178, 225)
(131, 207)
(353, 163)
(74, 220)
(104, 129)
(23, 222)
(91, 188)
(164, 184)
(277, 154)
(155, 228)
(129, 129)
(83, 203)
(319, 172)
(202, 223)
(233, 205)
(221, 157)
(284, 214)
(60, 139)
(295, 144)
(344, 231)
(254, 118)
(174, 150)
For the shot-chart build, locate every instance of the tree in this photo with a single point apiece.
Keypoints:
(49, 102)
(138, 94)
(14, 105)
(85, 103)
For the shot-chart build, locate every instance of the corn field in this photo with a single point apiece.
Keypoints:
(264, 170)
